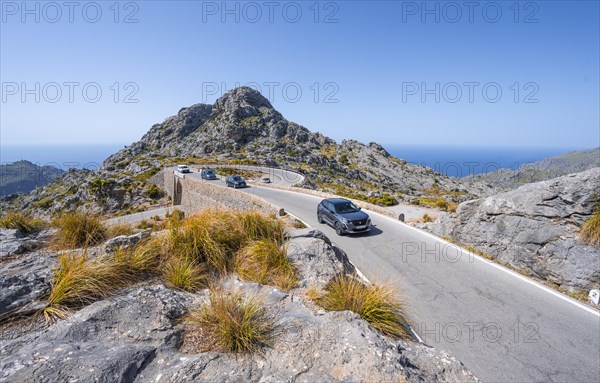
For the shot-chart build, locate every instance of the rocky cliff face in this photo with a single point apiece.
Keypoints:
(242, 125)
(138, 335)
(534, 229)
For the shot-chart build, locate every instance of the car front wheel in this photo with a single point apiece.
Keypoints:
(338, 229)
(320, 218)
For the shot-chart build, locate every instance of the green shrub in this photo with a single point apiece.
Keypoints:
(383, 200)
(44, 203)
(145, 176)
(153, 192)
(441, 204)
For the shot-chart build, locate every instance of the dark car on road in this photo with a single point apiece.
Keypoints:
(208, 174)
(344, 216)
(235, 182)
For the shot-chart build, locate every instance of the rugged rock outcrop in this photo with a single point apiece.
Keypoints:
(13, 242)
(242, 125)
(534, 228)
(138, 336)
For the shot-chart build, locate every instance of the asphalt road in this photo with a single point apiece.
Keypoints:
(501, 325)
(278, 176)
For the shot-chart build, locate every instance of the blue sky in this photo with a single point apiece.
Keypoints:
(361, 67)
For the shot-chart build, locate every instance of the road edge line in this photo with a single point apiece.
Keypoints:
(537, 284)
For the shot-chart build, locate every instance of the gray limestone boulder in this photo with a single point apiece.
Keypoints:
(534, 228)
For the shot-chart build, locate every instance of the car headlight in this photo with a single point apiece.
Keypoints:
(344, 220)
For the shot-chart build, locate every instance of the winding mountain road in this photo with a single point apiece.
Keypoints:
(500, 324)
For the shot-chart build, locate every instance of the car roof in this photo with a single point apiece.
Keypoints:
(336, 200)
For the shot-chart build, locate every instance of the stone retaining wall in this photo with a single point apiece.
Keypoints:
(194, 195)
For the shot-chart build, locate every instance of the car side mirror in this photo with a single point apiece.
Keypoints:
(359, 208)
(332, 212)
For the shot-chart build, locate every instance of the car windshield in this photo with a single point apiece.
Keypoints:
(237, 178)
(209, 172)
(345, 207)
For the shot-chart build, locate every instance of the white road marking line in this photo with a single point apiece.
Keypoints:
(476, 256)
(499, 267)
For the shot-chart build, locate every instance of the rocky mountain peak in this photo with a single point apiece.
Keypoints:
(242, 102)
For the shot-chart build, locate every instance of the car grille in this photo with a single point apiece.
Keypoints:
(359, 222)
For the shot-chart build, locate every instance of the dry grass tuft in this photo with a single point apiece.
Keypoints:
(258, 226)
(229, 323)
(120, 229)
(377, 304)
(26, 224)
(590, 230)
(265, 261)
(212, 237)
(76, 230)
(313, 293)
(79, 281)
(187, 255)
(185, 274)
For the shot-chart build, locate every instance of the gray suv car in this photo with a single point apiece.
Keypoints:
(344, 216)
(235, 182)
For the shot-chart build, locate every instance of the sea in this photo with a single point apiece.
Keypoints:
(463, 161)
(453, 161)
(65, 157)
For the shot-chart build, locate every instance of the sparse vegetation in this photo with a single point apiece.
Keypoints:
(383, 200)
(26, 224)
(427, 218)
(79, 281)
(231, 171)
(229, 323)
(188, 255)
(377, 304)
(153, 192)
(313, 293)
(78, 229)
(295, 223)
(44, 203)
(213, 237)
(590, 230)
(145, 176)
(119, 229)
(185, 274)
(265, 261)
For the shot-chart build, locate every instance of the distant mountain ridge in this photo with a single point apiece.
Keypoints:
(243, 126)
(548, 168)
(21, 177)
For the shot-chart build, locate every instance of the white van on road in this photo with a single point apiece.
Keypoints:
(183, 169)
